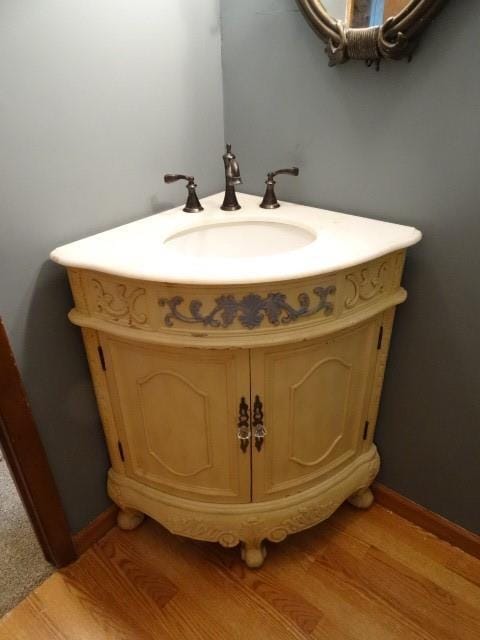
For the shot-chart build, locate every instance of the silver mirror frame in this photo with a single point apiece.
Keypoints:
(396, 38)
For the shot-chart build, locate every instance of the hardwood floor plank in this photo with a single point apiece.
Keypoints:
(330, 575)
(29, 615)
(308, 617)
(461, 564)
(180, 614)
(99, 600)
(281, 597)
(237, 609)
(358, 576)
(425, 609)
(446, 566)
(432, 606)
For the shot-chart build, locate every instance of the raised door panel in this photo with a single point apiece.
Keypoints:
(315, 402)
(177, 412)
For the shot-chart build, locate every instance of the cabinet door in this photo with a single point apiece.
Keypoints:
(315, 401)
(177, 411)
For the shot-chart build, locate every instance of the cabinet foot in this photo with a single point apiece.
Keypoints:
(362, 499)
(253, 554)
(129, 519)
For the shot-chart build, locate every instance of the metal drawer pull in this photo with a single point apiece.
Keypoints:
(259, 430)
(243, 429)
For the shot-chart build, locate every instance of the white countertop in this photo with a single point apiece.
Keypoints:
(139, 250)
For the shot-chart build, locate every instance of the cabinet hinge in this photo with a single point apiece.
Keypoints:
(380, 338)
(120, 450)
(102, 358)
(365, 430)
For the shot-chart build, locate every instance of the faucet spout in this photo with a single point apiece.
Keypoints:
(232, 178)
(233, 173)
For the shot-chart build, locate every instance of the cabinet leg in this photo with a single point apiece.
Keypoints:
(362, 499)
(129, 519)
(253, 554)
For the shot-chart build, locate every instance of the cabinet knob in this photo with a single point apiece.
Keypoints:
(259, 430)
(243, 428)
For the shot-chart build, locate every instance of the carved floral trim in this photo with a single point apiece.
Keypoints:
(249, 528)
(250, 311)
(304, 518)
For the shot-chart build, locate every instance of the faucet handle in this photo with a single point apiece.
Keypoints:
(270, 199)
(173, 177)
(193, 203)
(294, 171)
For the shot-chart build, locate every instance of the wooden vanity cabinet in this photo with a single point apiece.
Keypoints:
(176, 412)
(315, 397)
(301, 381)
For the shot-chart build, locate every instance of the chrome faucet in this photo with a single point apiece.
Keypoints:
(232, 177)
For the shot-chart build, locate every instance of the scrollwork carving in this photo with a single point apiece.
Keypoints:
(251, 310)
(121, 305)
(202, 530)
(252, 529)
(304, 518)
(243, 523)
(365, 284)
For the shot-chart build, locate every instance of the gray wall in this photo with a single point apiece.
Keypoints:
(98, 99)
(400, 145)
(336, 8)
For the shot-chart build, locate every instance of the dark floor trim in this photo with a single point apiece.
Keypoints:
(28, 463)
(94, 531)
(428, 520)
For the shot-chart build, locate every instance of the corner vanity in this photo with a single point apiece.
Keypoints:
(238, 360)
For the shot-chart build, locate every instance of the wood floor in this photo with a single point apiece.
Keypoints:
(359, 576)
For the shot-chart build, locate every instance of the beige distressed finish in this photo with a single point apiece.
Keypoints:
(170, 392)
(316, 398)
(117, 306)
(172, 408)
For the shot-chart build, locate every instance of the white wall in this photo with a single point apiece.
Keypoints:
(98, 99)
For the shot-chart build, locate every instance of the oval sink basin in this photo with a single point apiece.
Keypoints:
(241, 239)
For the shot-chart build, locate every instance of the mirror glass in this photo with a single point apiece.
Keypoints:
(364, 13)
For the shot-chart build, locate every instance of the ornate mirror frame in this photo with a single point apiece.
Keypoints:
(396, 38)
